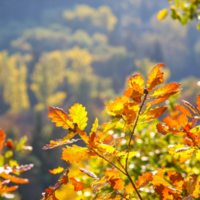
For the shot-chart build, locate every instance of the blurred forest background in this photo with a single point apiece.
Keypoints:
(58, 52)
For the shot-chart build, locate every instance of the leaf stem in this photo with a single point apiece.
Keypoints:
(109, 162)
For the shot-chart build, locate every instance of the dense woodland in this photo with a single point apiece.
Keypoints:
(56, 53)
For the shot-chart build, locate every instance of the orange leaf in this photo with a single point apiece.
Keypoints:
(184, 110)
(57, 170)
(158, 179)
(117, 184)
(136, 78)
(198, 102)
(176, 179)
(78, 185)
(166, 89)
(190, 106)
(156, 113)
(144, 180)
(2, 138)
(78, 114)
(171, 121)
(111, 174)
(155, 77)
(60, 117)
(183, 120)
(7, 189)
(14, 179)
(74, 153)
(135, 92)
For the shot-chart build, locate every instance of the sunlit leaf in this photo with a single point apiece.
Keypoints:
(162, 14)
(191, 107)
(184, 110)
(78, 114)
(78, 185)
(144, 180)
(14, 179)
(90, 174)
(2, 138)
(198, 102)
(57, 170)
(74, 153)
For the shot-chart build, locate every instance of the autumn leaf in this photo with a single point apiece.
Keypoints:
(78, 185)
(110, 125)
(184, 110)
(8, 189)
(60, 117)
(94, 126)
(14, 179)
(191, 107)
(78, 114)
(90, 174)
(60, 142)
(136, 78)
(2, 138)
(158, 179)
(129, 188)
(155, 113)
(74, 153)
(57, 170)
(116, 108)
(155, 77)
(176, 179)
(198, 102)
(135, 93)
(172, 122)
(162, 14)
(144, 180)
(167, 89)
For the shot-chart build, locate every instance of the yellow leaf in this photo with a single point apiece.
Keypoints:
(78, 114)
(57, 170)
(162, 14)
(94, 126)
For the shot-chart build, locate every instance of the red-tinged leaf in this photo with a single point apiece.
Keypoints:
(117, 184)
(65, 179)
(166, 89)
(78, 114)
(14, 179)
(158, 179)
(57, 170)
(60, 117)
(135, 93)
(155, 77)
(156, 113)
(108, 140)
(8, 189)
(198, 102)
(191, 107)
(184, 110)
(9, 144)
(172, 122)
(60, 142)
(161, 129)
(144, 180)
(2, 138)
(176, 179)
(74, 153)
(136, 78)
(78, 185)
(90, 174)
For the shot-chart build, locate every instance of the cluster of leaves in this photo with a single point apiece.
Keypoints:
(127, 112)
(9, 166)
(182, 11)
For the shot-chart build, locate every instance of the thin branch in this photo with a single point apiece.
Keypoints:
(118, 192)
(109, 162)
(133, 131)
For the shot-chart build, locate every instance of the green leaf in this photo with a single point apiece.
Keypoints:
(8, 154)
